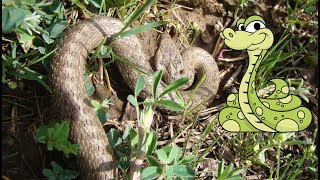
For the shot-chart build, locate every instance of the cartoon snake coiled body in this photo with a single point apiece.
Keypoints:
(245, 111)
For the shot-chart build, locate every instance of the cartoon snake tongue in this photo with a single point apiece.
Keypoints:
(221, 53)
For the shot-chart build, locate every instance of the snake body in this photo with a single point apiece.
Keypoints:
(67, 69)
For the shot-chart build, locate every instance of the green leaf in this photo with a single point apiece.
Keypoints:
(42, 139)
(151, 172)
(49, 146)
(56, 136)
(105, 103)
(226, 172)
(36, 60)
(48, 173)
(56, 6)
(152, 144)
(169, 172)
(156, 80)
(237, 172)
(180, 99)
(162, 155)
(134, 138)
(139, 86)
(71, 173)
(133, 100)
(135, 15)
(296, 142)
(89, 88)
(25, 39)
(95, 3)
(187, 159)
(96, 104)
(309, 9)
(47, 39)
(167, 149)
(31, 75)
(11, 60)
(50, 133)
(296, 173)
(12, 17)
(183, 171)
(123, 163)
(102, 115)
(147, 103)
(220, 168)
(115, 3)
(174, 153)
(148, 142)
(56, 29)
(175, 85)
(142, 28)
(12, 84)
(261, 157)
(171, 105)
(126, 133)
(74, 149)
(56, 167)
(153, 161)
(63, 146)
(126, 62)
(61, 131)
(114, 137)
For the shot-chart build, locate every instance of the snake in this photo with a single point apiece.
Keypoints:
(246, 111)
(95, 157)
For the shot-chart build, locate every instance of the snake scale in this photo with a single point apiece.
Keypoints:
(67, 69)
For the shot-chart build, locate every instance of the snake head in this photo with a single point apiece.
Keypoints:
(252, 34)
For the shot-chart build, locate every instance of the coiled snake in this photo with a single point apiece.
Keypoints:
(67, 69)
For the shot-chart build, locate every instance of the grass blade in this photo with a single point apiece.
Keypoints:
(5, 157)
(296, 142)
(220, 168)
(171, 105)
(142, 28)
(34, 61)
(205, 152)
(156, 80)
(21, 56)
(135, 14)
(189, 135)
(130, 64)
(175, 85)
(31, 75)
(139, 86)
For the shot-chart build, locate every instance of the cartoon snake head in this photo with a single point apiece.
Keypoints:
(252, 34)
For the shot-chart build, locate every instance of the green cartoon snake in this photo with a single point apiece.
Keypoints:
(245, 111)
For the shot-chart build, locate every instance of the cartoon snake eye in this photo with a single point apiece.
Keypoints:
(241, 27)
(255, 26)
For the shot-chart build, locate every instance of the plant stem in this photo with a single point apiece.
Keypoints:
(137, 164)
(278, 161)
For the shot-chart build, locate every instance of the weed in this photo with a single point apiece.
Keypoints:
(35, 25)
(59, 173)
(101, 109)
(228, 172)
(56, 136)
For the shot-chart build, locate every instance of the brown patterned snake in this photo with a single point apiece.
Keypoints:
(96, 157)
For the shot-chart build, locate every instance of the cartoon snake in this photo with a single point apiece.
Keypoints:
(245, 111)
